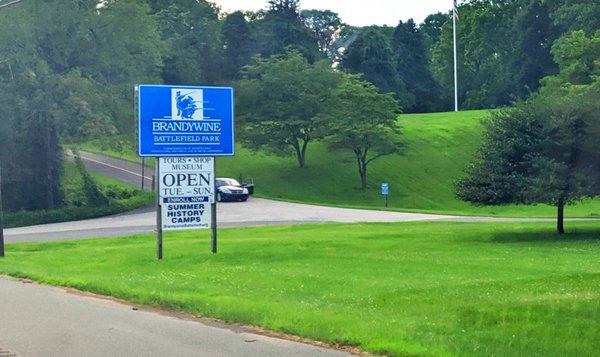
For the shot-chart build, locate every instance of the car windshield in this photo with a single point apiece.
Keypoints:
(227, 182)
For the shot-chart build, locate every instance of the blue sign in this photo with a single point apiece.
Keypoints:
(185, 121)
(385, 189)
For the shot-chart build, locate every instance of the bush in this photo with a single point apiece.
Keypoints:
(84, 198)
(93, 195)
(119, 193)
(72, 213)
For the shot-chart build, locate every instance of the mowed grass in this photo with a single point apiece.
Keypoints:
(439, 147)
(399, 289)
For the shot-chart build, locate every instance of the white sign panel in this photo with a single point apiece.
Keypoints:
(186, 191)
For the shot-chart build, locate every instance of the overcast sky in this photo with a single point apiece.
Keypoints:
(358, 12)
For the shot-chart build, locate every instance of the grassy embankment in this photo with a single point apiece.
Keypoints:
(439, 147)
(122, 197)
(399, 289)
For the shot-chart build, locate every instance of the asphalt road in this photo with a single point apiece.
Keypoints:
(254, 212)
(119, 169)
(37, 320)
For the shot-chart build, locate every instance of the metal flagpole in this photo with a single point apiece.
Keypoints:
(454, 16)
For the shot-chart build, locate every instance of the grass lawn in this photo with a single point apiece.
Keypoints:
(439, 147)
(400, 289)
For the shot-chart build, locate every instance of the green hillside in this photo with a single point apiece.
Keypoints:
(439, 146)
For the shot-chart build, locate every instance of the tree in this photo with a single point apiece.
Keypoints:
(31, 156)
(486, 52)
(431, 30)
(411, 65)
(282, 100)
(67, 68)
(289, 8)
(128, 50)
(365, 122)
(370, 54)
(533, 60)
(326, 25)
(191, 31)
(543, 151)
(570, 15)
(237, 44)
(281, 28)
(578, 57)
(101, 51)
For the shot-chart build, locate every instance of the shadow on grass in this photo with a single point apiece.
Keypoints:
(548, 236)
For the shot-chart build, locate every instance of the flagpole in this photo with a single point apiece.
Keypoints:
(454, 13)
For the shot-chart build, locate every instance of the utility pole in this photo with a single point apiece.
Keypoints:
(2, 6)
(1, 217)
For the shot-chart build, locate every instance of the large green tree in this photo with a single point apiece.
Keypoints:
(543, 151)
(192, 34)
(363, 121)
(486, 49)
(30, 156)
(371, 55)
(431, 30)
(237, 44)
(570, 15)
(281, 27)
(282, 101)
(412, 67)
(533, 58)
(326, 25)
(578, 57)
(67, 68)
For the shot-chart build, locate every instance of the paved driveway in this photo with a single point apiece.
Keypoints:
(255, 212)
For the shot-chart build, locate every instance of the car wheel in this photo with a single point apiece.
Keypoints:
(244, 199)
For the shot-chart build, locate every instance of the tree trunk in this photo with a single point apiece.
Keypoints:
(303, 152)
(560, 219)
(300, 154)
(362, 169)
(363, 178)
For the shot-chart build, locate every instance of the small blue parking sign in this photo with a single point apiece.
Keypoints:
(185, 121)
(385, 189)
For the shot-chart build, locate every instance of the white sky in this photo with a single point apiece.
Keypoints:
(358, 12)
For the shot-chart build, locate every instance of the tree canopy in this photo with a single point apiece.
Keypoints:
(282, 101)
(364, 122)
(543, 151)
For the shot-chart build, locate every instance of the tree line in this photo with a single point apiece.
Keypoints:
(68, 67)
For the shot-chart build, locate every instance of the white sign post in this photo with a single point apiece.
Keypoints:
(186, 192)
